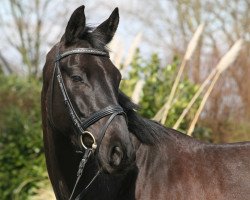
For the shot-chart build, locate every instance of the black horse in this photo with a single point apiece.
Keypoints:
(126, 156)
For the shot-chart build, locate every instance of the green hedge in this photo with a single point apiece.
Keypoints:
(21, 149)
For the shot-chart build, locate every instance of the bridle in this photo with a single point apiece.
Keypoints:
(86, 139)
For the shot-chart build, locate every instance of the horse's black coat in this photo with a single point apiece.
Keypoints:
(168, 165)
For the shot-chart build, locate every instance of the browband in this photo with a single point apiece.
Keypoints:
(81, 51)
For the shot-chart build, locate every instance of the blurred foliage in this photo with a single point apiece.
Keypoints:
(158, 83)
(203, 132)
(235, 132)
(228, 131)
(21, 149)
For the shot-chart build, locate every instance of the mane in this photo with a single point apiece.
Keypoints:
(94, 37)
(146, 130)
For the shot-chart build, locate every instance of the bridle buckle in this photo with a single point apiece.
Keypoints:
(88, 140)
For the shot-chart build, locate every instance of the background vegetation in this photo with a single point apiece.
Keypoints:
(157, 83)
(29, 29)
(21, 155)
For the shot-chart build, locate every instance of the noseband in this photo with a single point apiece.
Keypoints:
(86, 139)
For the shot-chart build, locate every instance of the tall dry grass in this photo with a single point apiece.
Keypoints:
(136, 95)
(227, 60)
(217, 70)
(163, 112)
(118, 55)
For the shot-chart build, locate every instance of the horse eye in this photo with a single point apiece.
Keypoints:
(76, 78)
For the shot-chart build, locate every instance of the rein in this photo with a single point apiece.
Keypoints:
(90, 147)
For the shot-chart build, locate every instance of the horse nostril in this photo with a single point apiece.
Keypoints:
(116, 156)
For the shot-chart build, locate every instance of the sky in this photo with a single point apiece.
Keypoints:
(95, 11)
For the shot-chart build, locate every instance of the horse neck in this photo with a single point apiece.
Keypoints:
(107, 186)
(163, 150)
(62, 163)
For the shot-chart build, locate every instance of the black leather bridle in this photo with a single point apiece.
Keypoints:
(91, 145)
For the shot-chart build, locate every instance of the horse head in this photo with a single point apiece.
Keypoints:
(91, 83)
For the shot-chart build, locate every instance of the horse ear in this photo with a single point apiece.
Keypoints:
(75, 25)
(108, 28)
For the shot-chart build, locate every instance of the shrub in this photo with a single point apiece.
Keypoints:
(21, 149)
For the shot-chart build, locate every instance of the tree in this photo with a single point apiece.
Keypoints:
(28, 29)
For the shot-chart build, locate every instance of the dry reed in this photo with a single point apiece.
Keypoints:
(194, 98)
(117, 55)
(163, 112)
(137, 91)
(132, 49)
(227, 60)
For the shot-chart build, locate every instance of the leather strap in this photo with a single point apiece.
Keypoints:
(80, 170)
(100, 114)
(81, 51)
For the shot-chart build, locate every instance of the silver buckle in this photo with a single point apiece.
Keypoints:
(85, 137)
